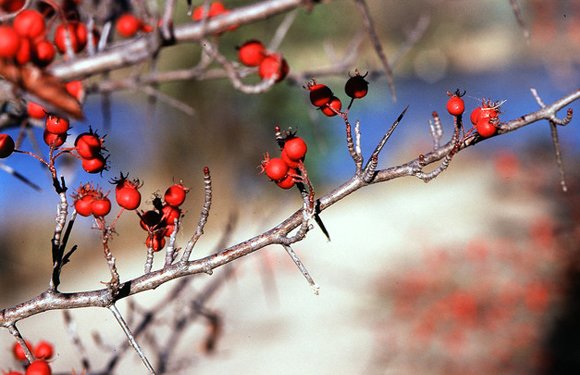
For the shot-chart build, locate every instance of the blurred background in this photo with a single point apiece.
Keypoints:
(471, 273)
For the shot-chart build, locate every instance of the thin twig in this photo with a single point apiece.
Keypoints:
(315, 287)
(131, 338)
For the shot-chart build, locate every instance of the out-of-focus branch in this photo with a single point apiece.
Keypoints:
(138, 50)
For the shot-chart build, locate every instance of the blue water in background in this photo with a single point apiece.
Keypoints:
(376, 113)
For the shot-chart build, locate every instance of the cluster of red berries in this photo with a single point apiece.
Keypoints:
(160, 221)
(25, 40)
(284, 171)
(89, 147)
(90, 200)
(270, 64)
(484, 118)
(322, 97)
(128, 25)
(42, 352)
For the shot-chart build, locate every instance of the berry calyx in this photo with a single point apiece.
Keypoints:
(251, 53)
(356, 86)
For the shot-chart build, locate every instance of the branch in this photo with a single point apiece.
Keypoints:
(52, 300)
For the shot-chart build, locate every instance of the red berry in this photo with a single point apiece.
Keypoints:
(295, 148)
(356, 87)
(286, 183)
(485, 127)
(170, 214)
(89, 145)
(175, 195)
(6, 146)
(101, 207)
(83, 205)
(44, 350)
(169, 229)
(29, 24)
(54, 140)
(332, 107)
(38, 367)
(13, 373)
(77, 34)
(56, 125)
(9, 42)
(24, 53)
(128, 25)
(35, 110)
(75, 88)
(94, 165)
(18, 351)
(455, 105)
(155, 241)
(319, 94)
(43, 53)
(127, 192)
(273, 65)
(289, 162)
(251, 53)
(215, 9)
(275, 168)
